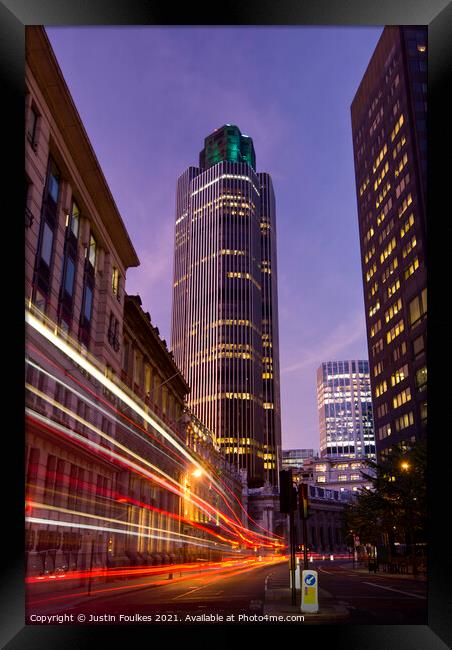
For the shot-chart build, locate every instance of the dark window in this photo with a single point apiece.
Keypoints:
(46, 245)
(33, 124)
(70, 274)
(88, 303)
(54, 182)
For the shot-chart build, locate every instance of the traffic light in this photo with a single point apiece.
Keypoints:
(303, 500)
(287, 492)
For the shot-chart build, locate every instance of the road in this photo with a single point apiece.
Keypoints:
(366, 598)
(374, 598)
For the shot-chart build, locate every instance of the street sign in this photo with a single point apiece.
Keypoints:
(309, 591)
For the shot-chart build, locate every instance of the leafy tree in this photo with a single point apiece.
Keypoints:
(394, 508)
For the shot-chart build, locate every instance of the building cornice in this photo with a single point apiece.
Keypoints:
(43, 64)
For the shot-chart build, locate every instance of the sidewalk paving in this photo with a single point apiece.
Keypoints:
(365, 571)
(278, 601)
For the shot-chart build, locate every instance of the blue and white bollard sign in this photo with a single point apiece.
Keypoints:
(309, 587)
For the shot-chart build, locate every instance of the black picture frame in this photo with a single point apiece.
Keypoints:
(14, 16)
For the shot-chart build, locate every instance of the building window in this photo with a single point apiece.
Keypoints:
(53, 187)
(32, 128)
(115, 281)
(92, 251)
(74, 219)
(418, 308)
(88, 304)
(69, 276)
(421, 378)
(46, 244)
(418, 346)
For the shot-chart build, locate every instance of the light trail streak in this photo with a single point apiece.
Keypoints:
(44, 506)
(85, 442)
(84, 387)
(200, 503)
(172, 486)
(89, 367)
(71, 524)
(82, 361)
(225, 570)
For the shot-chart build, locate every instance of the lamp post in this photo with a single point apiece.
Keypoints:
(405, 466)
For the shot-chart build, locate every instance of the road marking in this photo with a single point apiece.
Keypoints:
(190, 592)
(328, 572)
(266, 580)
(397, 590)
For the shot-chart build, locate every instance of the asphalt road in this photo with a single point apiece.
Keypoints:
(235, 592)
(367, 598)
(374, 598)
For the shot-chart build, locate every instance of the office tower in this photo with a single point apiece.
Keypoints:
(345, 409)
(225, 316)
(390, 147)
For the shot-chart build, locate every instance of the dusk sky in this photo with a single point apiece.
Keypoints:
(148, 96)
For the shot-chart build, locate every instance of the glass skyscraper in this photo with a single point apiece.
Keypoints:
(389, 124)
(225, 314)
(345, 409)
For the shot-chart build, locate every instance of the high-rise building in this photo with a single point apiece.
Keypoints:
(390, 148)
(225, 317)
(345, 409)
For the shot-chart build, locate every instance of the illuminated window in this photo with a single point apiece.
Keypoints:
(374, 308)
(401, 398)
(407, 225)
(397, 127)
(418, 308)
(393, 310)
(395, 331)
(115, 281)
(389, 270)
(408, 200)
(399, 375)
(401, 165)
(412, 268)
(381, 388)
(409, 247)
(404, 421)
(92, 251)
(388, 250)
(393, 288)
(384, 431)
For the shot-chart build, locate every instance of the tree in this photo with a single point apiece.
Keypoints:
(394, 508)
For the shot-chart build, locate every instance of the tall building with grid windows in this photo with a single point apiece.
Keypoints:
(345, 409)
(390, 149)
(225, 315)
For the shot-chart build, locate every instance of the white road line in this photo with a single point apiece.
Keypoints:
(266, 580)
(190, 592)
(397, 590)
(328, 572)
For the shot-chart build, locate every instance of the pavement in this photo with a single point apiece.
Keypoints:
(278, 601)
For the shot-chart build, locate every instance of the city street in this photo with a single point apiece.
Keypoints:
(374, 598)
(361, 597)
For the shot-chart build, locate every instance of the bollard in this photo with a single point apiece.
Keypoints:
(309, 591)
(331, 557)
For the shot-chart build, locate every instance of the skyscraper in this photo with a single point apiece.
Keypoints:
(345, 409)
(225, 315)
(390, 148)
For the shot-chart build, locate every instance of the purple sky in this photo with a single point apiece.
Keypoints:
(149, 95)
